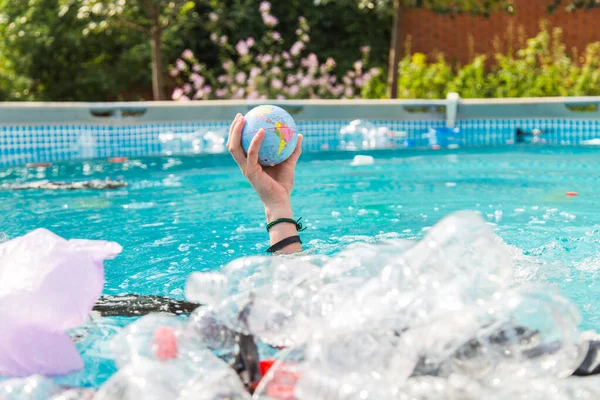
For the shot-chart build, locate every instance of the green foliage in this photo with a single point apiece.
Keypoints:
(44, 55)
(541, 68)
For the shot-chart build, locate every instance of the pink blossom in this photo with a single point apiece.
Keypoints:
(302, 20)
(305, 38)
(187, 88)
(240, 77)
(227, 65)
(208, 89)
(276, 84)
(266, 58)
(275, 70)
(312, 60)
(196, 68)
(290, 79)
(358, 65)
(277, 59)
(264, 7)
(294, 89)
(285, 55)
(269, 20)
(213, 37)
(253, 95)
(177, 93)
(365, 49)
(223, 39)
(288, 64)
(197, 80)
(173, 72)
(213, 16)
(220, 93)
(180, 64)
(250, 42)
(263, 97)
(222, 78)
(238, 94)
(280, 97)
(187, 54)
(330, 63)
(348, 92)
(346, 79)
(306, 81)
(242, 48)
(374, 71)
(359, 82)
(297, 48)
(298, 32)
(184, 98)
(199, 94)
(277, 36)
(255, 71)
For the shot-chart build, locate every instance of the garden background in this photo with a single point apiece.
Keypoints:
(107, 50)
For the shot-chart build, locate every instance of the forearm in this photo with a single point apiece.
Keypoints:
(281, 231)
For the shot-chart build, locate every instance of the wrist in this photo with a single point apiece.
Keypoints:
(279, 210)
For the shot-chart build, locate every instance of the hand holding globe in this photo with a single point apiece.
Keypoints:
(280, 133)
(273, 183)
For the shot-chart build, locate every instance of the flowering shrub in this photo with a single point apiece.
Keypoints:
(266, 68)
(541, 68)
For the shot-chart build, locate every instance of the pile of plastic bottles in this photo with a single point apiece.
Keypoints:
(363, 135)
(212, 141)
(441, 318)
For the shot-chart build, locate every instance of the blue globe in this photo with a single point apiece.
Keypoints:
(281, 135)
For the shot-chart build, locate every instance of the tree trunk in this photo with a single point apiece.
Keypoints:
(395, 51)
(158, 73)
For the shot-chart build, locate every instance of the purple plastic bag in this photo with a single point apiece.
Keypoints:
(47, 285)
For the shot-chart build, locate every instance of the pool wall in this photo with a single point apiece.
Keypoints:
(46, 132)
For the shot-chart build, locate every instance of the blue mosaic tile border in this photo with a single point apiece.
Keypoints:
(20, 144)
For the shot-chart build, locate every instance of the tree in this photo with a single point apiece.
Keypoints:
(44, 56)
(150, 17)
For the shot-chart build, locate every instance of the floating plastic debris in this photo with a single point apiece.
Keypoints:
(213, 141)
(363, 135)
(444, 137)
(47, 285)
(94, 184)
(362, 160)
(446, 317)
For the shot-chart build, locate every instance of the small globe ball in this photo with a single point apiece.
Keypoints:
(281, 135)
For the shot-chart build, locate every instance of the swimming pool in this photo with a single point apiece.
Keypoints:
(185, 214)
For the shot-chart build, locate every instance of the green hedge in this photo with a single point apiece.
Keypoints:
(542, 68)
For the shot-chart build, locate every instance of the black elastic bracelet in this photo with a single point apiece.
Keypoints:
(285, 242)
(296, 222)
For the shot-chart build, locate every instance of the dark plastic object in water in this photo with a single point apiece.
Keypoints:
(132, 305)
(94, 184)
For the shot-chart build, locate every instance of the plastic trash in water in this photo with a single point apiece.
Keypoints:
(160, 358)
(363, 135)
(362, 160)
(212, 141)
(47, 285)
(444, 137)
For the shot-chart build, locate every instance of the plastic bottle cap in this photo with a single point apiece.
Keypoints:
(264, 366)
(164, 343)
(572, 194)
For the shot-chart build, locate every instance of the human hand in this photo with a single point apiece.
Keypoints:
(272, 184)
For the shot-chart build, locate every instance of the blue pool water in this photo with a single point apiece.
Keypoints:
(186, 214)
